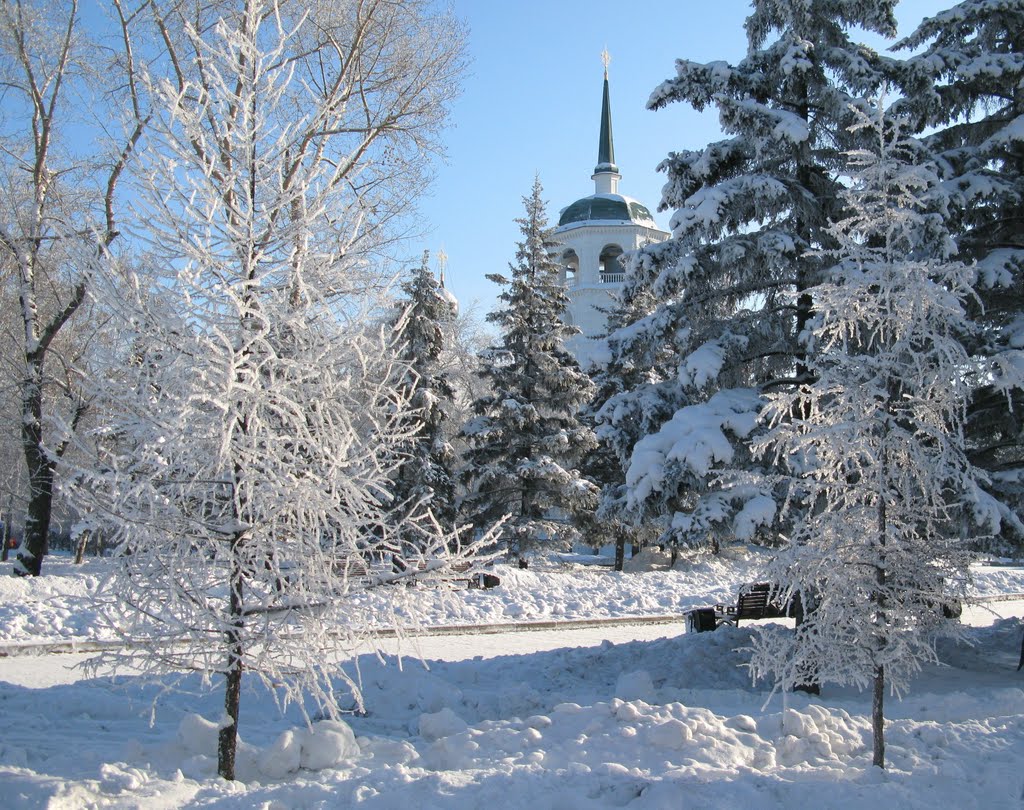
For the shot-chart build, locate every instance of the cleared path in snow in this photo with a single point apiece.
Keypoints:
(40, 671)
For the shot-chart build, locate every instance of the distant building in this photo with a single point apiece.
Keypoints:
(446, 294)
(594, 232)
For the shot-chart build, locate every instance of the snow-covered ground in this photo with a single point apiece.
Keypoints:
(577, 718)
(58, 606)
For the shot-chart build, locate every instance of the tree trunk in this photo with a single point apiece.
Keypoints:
(881, 620)
(804, 605)
(878, 718)
(7, 531)
(40, 465)
(227, 737)
(40, 506)
(83, 540)
(805, 177)
(620, 550)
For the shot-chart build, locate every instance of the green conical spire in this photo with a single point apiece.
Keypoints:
(605, 145)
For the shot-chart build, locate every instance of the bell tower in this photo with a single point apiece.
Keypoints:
(593, 233)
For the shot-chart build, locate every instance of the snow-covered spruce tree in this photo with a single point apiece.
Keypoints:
(630, 401)
(526, 439)
(963, 88)
(250, 449)
(602, 468)
(874, 441)
(751, 209)
(468, 337)
(425, 478)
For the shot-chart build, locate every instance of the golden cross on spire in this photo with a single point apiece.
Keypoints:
(442, 263)
(606, 59)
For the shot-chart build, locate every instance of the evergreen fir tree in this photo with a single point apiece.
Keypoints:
(602, 467)
(751, 211)
(424, 486)
(621, 416)
(526, 440)
(877, 443)
(964, 88)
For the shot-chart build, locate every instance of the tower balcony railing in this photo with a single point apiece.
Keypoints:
(574, 285)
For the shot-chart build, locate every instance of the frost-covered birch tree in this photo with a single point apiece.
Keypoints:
(250, 443)
(60, 169)
(963, 89)
(874, 440)
(713, 315)
(526, 440)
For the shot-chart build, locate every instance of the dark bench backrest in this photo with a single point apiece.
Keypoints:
(753, 601)
(760, 600)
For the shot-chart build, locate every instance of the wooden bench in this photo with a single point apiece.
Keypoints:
(357, 569)
(758, 600)
(463, 572)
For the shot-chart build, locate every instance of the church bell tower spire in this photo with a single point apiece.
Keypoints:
(606, 174)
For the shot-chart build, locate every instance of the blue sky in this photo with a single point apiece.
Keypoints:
(532, 102)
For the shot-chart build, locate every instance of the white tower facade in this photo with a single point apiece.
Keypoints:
(593, 233)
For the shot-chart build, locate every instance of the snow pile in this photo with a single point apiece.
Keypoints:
(993, 581)
(648, 725)
(58, 604)
(639, 724)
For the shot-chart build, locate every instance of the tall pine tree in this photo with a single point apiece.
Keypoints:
(424, 485)
(964, 89)
(721, 326)
(526, 440)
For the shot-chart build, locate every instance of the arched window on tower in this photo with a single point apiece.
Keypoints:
(570, 267)
(612, 271)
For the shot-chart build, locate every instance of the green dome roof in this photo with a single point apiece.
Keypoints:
(606, 208)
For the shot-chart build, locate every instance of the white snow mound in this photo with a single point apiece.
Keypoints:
(445, 723)
(326, 744)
